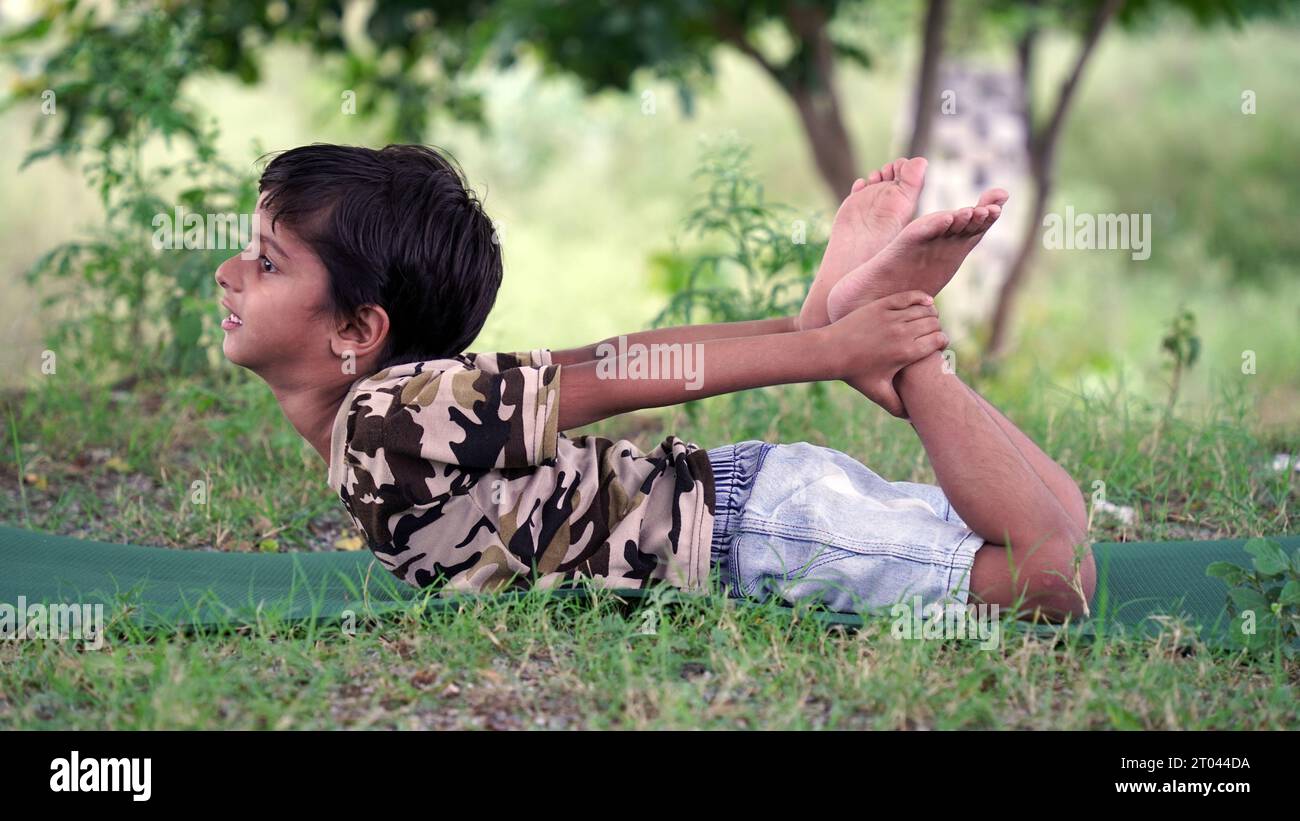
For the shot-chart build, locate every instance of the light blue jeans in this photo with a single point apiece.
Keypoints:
(804, 522)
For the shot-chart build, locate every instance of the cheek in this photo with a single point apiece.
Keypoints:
(289, 320)
(277, 307)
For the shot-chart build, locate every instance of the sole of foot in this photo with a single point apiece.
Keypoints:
(873, 213)
(924, 256)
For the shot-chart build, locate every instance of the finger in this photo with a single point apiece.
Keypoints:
(903, 299)
(919, 328)
(928, 344)
(910, 341)
(912, 312)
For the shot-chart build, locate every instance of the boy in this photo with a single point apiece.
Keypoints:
(380, 267)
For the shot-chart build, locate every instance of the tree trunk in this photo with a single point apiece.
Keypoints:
(1043, 153)
(811, 87)
(813, 91)
(927, 81)
(1001, 320)
(978, 143)
(997, 343)
(828, 138)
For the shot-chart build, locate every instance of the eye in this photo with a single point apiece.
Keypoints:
(267, 260)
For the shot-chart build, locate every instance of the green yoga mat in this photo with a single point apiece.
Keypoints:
(1139, 584)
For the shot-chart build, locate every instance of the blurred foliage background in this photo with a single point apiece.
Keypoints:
(584, 126)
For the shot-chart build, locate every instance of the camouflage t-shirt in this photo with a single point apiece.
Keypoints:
(458, 475)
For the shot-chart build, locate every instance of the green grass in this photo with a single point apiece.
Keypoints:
(587, 190)
(520, 665)
(527, 663)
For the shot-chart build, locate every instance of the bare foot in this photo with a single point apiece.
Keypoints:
(871, 215)
(924, 256)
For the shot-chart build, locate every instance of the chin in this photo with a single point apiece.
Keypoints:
(233, 356)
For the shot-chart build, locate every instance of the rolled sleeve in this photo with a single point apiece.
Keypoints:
(478, 418)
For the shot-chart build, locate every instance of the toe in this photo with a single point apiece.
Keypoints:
(887, 171)
(992, 217)
(993, 196)
(858, 185)
(912, 174)
(874, 178)
(930, 226)
(960, 219)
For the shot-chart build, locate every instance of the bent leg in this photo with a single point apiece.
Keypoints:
(1030, 537)
(1058, 481)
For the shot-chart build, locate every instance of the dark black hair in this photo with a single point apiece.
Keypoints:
(399, 228)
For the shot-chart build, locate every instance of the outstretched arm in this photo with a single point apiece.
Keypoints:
(679, 334)
(597, 389)
(865, 348)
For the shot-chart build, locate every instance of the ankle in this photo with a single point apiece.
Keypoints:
(926, 367)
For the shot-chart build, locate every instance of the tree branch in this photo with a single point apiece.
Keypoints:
(936, 20)
(809, 24)
(731, 31)
(1046, 143)
(1025, 67)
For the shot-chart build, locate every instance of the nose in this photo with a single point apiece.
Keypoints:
(227, 272)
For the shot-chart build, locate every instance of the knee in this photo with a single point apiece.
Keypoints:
(1066, 587)
(1078, 510)
(1056, 580)
(1061, 576)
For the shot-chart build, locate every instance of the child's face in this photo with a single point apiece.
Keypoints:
(274, 296)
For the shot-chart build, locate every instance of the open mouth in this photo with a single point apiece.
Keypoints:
(231, 321)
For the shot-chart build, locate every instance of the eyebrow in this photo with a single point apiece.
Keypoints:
(276, 246)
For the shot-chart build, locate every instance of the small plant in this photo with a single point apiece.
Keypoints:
(1183, 346)
(1264, 600)
(756, 260)
(126, 307)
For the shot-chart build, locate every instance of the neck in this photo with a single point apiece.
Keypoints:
(311, 410)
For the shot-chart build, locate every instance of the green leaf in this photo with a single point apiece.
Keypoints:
(1266, 630)
(1269, 556)
(1248, 599)
(33, 31)
(1233, 574)
(1290, 594)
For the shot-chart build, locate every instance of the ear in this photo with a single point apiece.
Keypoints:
(362, 335)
